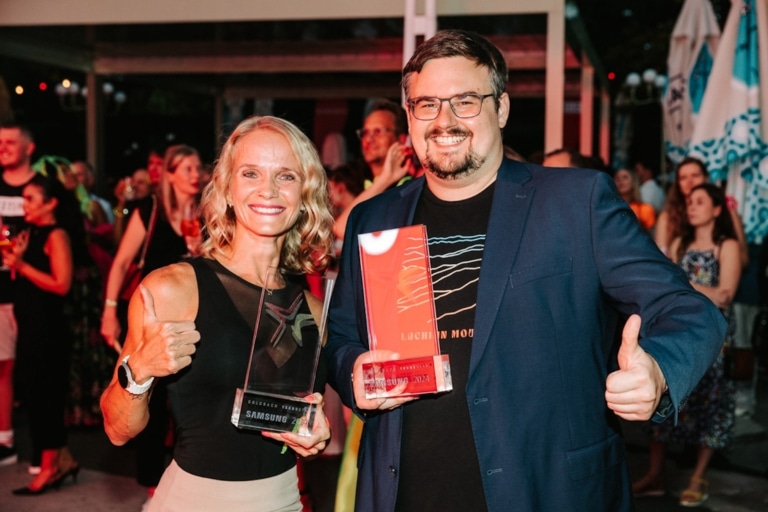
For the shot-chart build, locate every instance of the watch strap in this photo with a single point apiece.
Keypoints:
(129, 384)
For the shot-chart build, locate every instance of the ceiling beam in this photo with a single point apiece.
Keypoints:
(112, 12)
(525, 86)
(523, 52)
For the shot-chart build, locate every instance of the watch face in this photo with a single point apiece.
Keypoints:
(122, 376)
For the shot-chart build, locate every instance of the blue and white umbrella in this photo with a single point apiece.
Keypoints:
(691, 52)
(729, 133)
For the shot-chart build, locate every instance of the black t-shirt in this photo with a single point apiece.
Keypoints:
(11, 213)
(438, 461)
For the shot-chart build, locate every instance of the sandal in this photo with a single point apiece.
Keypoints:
(694, 498)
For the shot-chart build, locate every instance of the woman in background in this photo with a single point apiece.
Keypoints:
(178, 191)
(628, 186)
(42, 262)
(689, 173)
(708, 251)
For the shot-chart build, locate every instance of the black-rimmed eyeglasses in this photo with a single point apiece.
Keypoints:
(462, 105)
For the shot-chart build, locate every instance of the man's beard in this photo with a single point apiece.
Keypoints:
(454, 170)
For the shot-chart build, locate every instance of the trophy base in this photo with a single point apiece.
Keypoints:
(420, 376)
(275, 413)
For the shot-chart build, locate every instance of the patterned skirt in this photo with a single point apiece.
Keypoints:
(708, 418)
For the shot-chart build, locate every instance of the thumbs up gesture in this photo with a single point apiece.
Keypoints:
(634, 390)
(166, 346)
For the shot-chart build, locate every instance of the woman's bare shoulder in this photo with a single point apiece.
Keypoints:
(174, 290)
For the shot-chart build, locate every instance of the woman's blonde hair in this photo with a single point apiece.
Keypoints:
(167, 195)
(307, 246)
(635, 193)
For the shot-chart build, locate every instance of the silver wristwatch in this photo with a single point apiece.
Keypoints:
(125, 378)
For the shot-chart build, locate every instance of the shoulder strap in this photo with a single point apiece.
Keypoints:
(150, 231)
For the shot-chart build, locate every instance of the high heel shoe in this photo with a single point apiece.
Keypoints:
(54, 483)
(26, 491)
(62, 475)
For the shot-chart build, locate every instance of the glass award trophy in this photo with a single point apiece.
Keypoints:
(281, 371)
(400, 310)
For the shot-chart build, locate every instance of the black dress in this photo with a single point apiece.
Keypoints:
(43, 349)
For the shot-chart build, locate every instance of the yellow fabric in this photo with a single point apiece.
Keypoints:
(345, 489)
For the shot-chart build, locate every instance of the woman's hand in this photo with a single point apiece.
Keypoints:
(167, 346)
(110, 328)
(194, 243)
(13, 256)
(307, 446)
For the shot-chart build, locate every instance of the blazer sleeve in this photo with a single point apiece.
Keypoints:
(347, 330)
(681, 328)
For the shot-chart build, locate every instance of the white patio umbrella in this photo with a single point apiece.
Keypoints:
(730, 132)
(691, 52)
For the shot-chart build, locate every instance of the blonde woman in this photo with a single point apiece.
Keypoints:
(628, 186)
(192, 325)
(159, 222)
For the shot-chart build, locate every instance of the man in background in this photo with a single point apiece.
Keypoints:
(86, 176)
(16, 148)
(650, 191)
(383, 144)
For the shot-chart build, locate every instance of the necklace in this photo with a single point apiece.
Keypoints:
(263, 284)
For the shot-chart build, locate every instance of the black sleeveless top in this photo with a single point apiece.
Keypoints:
(202, 395)
(45, 336)
(165, 246)
(32, 302)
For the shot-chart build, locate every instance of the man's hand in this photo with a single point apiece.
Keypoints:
(358, 383)
(397, 164)
(634, 390)
(166, 346)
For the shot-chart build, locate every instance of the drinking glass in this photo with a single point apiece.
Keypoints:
(190, 228)
(7, 232)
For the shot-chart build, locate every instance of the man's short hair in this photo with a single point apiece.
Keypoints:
(460, 43)
(645, 163)
(574, 156)
(401, 123)
(26, 132)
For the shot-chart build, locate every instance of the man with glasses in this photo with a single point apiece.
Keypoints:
(530, 268)
(387, 157)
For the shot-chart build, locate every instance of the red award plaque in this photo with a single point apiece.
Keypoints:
(400, 310)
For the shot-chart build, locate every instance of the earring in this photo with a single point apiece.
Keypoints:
(229, 205)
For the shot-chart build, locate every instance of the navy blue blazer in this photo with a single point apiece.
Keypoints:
(563, 254)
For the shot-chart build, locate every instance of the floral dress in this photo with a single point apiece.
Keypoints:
(708, 417)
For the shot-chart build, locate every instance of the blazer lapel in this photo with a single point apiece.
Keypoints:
(511, 203)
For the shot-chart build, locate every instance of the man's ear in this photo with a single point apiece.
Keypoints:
(30, 148)
(503, 111)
